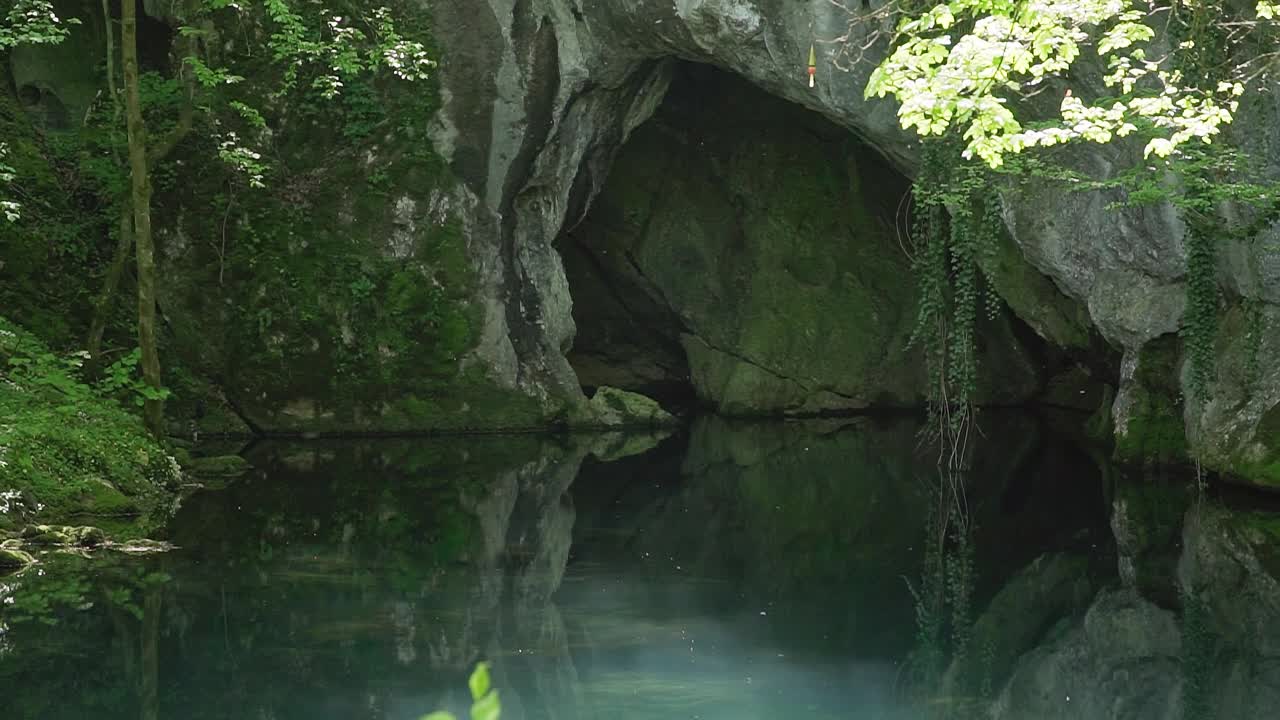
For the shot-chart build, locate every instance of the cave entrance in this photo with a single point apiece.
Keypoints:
(56, 86)
(739, 248)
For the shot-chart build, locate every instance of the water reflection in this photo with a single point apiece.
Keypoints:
(815, 569)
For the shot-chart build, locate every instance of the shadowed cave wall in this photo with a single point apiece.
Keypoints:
(751, 257)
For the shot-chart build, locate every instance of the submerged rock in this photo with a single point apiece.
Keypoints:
(218, 466)
(1215, 655)
(1122, 661)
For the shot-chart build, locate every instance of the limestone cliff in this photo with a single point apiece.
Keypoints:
(406, 269)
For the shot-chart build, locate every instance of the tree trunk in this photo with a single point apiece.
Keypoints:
(140, 182)
(124, 244)
(124, 241)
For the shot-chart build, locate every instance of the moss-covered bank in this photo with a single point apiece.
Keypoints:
(69, 456)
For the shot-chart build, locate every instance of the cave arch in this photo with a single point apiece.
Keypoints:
(749, 256)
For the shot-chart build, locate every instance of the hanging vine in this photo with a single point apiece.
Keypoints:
(955, 218)
(959, 71)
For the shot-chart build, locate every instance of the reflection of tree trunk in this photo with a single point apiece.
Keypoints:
(148, 688)
(140, 179)
(125, 632)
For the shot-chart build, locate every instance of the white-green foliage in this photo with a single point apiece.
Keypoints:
(330, 49)
(963, 69)
(964, 64)
(33, 22)
(10, 209)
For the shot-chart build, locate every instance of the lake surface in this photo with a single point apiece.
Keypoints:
(816, 569)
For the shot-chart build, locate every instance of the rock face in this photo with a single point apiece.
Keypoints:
(1120, 662)
(614, 408)
(753, 247)
(539, 93)
(413, 277)
(1215, 654)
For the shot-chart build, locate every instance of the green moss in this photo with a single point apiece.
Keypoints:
(75, 460)
(1035, 298)
(1154, 433)
(1265, 523)
(1266, 474)
(1266, 470)
(218, 466)
(58, 237)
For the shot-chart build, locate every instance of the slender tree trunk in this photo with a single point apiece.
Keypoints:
(124, 241)
(124, 244)
(140, 179)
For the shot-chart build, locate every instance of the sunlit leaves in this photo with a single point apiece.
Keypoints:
(244, 160)
(324, 51)
(972, 81)
(342, 47)
(33, 22)
(10, 209)
(209, 77)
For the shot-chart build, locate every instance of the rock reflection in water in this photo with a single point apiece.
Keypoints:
(733, 571)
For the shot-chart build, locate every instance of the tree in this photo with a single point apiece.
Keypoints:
(140, 201)
(965, 74)
(961, 64)
(340, 47)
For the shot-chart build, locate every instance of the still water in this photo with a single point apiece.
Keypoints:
(786, 570)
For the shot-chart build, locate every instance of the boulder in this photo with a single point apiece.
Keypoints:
(12, 559)
(611, 407)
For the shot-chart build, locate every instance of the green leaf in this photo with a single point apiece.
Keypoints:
(487, 708)
(438, 715)
(479, 681)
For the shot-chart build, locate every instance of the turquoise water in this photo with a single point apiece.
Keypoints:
(729, 571)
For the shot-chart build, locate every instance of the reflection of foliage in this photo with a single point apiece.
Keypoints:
(943, 602)
(40, 598)
(1197, 658)
(61, 608)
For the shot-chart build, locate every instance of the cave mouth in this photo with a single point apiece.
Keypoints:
(748, 257)
(703, 272)
(57, 90)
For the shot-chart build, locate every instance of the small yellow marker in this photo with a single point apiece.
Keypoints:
(813, 65)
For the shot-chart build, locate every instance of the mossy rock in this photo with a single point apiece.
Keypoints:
(64, 535)
(218, 466)
(344, 297)
(758, 263)
(11, 559)
(1153, 433)
(611, 407)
